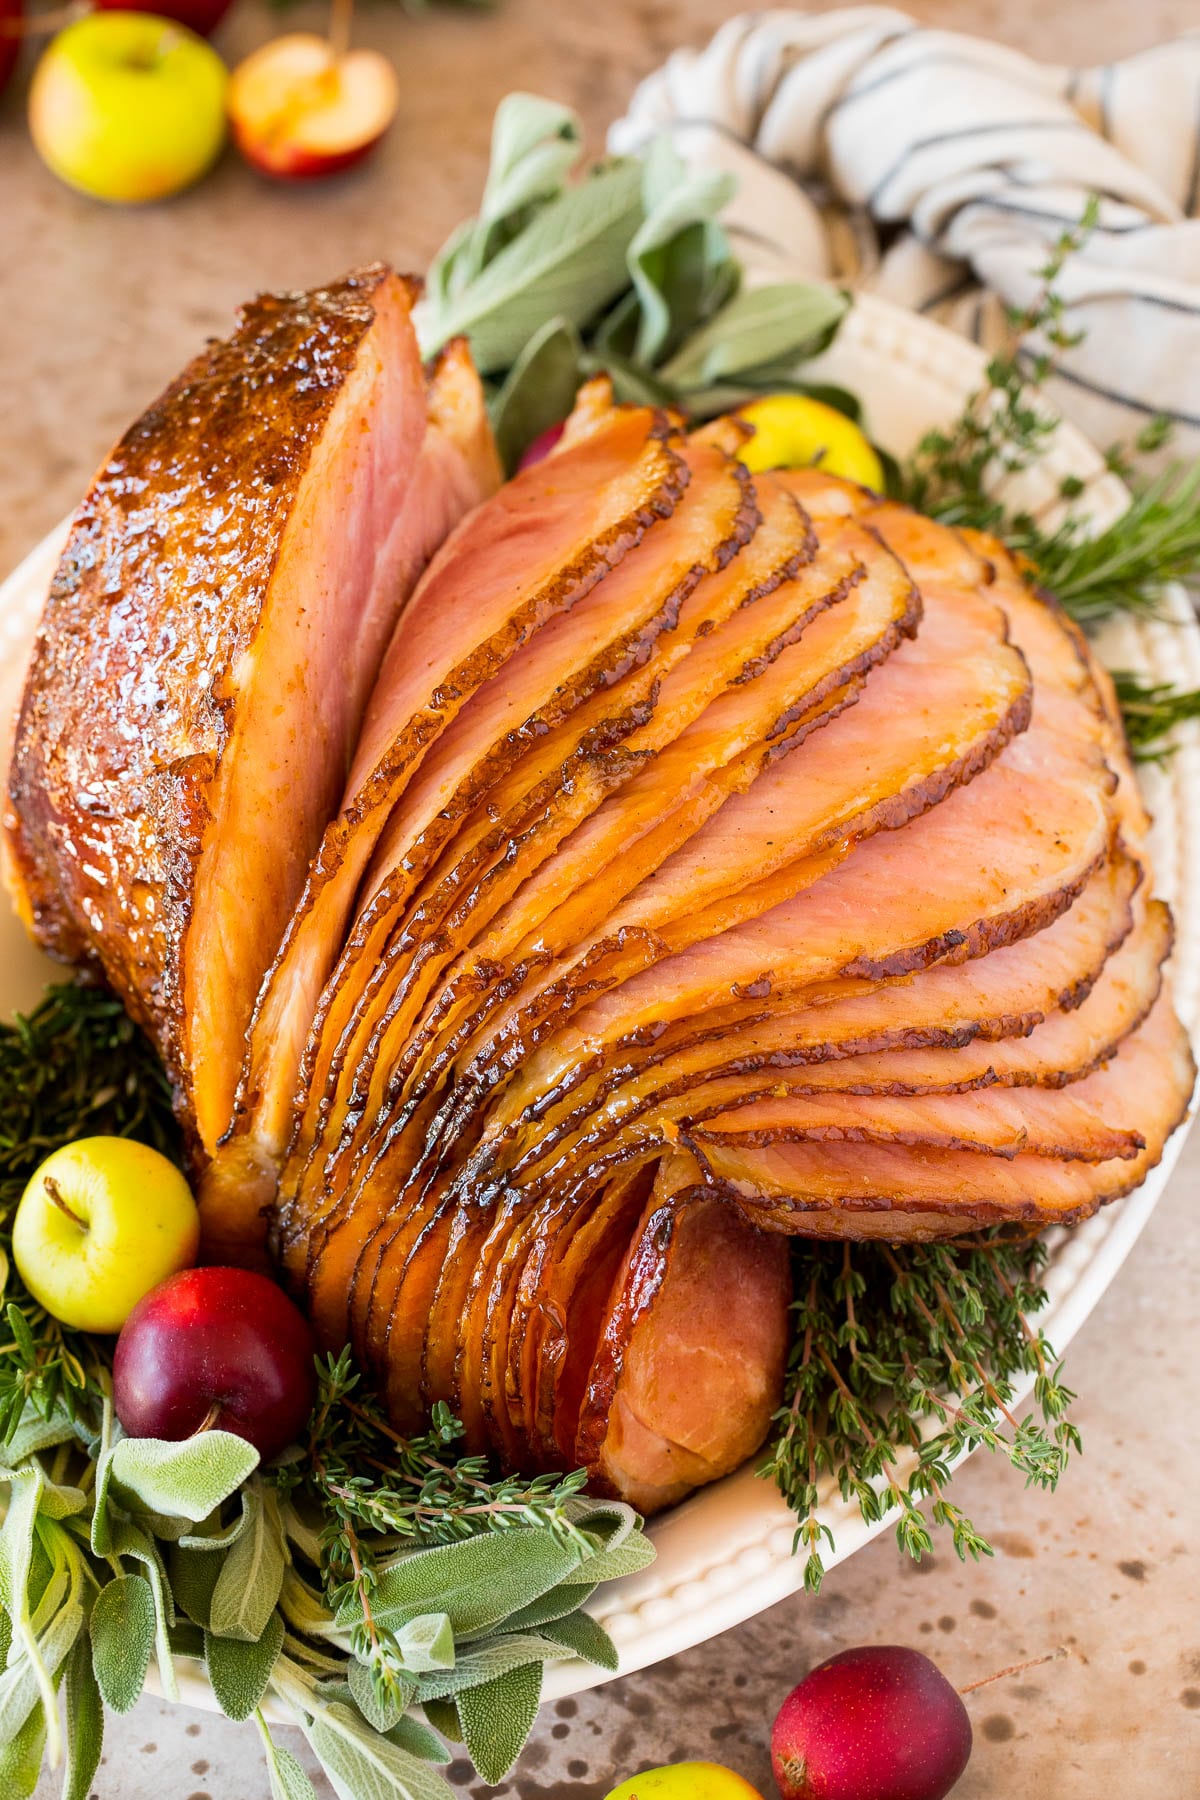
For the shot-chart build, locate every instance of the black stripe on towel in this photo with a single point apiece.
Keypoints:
(962, 135)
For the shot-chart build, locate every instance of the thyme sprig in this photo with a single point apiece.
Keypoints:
(913, 1353)
(377, 1491)
(961, 473)
(957, 472)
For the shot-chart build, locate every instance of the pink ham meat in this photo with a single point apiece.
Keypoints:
(670, 1402)
(529, 553)
(208, 648)
(883, 1191)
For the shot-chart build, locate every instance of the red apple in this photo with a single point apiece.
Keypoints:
(299, 110)
(880, 1723)
(216, 1347)
(542, 445)
(200, 16)
(10, 37)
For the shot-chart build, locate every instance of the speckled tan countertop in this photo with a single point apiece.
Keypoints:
(97, 309)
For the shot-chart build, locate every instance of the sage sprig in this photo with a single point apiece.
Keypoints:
(624, 271)
(432, 1588)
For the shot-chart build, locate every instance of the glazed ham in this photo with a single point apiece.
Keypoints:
(209, 647)
(684, 860)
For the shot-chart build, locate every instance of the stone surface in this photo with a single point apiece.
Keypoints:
(98, 308)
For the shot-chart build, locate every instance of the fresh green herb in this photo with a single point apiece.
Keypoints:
(626, 272)
(75, 1067)
(1152, 710)
(957, 473)
(890, 1340)
(1126, 566)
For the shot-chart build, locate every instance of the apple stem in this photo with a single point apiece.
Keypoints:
(341, 13)
(1016, 1669)
(210, 1418)
(55, 1194)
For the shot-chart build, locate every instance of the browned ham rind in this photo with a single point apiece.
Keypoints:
(208, 648)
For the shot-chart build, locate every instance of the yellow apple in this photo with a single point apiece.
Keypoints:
(129, 107)
(686, 1781)
(102, 1222)
(794, 431)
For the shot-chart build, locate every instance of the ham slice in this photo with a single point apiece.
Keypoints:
(861, 1190)
(670, 1402)
(209, 646)
(529, 553)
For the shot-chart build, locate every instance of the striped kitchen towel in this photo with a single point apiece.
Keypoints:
(936, 169)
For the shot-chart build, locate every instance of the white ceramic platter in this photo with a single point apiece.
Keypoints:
(726, 1554)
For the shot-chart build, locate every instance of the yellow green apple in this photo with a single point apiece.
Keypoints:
(686, 1781)
(794, 431)
(102, 1222)
(126, 106)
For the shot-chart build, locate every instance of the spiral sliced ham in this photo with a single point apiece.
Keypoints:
(683, 861)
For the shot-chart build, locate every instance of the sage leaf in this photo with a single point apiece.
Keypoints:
(628, 1558)
(194, 1575)
(35, 1434)
(29, 1678)
(487, 1660)
(584, 1637)
(555, 1605)
(184, 1480)
(251, 1578)
(761, 325)
(477, 1582)
(122, 1629)
(540, 389)
(380, 1712)
(61, 1502)
(20, 1548)
(535, 142)
(409, 1734)
(497, 1719)
(101, 1521)
(16, 1540)
(303, 1608)
(130, 1540)
(427, 1643)
(186, 1639)
(85, 1723)
(569, 262)
(362, 1765)
(239, 1672)
(443, 1716)
(679, 260)
(219, 1538)
(288, 1780)
(21, 1758)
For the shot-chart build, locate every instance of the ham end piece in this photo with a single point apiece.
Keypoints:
(208, 647)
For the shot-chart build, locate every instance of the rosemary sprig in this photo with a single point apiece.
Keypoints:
(1152, 710)
(913, 1351)
(1156, 540)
